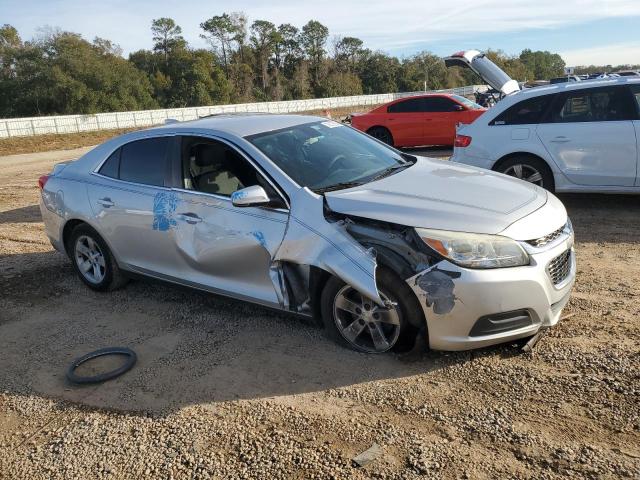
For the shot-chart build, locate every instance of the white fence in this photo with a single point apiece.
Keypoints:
(25, 127)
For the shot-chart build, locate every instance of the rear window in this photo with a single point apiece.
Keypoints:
(406, 106)
(528, 111)
(144, 161)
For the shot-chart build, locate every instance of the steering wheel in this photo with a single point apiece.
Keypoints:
(338, 158)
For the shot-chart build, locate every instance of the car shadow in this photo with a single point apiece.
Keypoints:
(192, 347)
(30, 214)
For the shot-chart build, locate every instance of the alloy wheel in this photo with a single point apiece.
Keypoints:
(526, 173)
(90, 259)
(365, 325)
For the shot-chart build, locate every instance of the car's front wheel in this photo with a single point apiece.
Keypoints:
(93, 261)
(357, 322)
(530, 169)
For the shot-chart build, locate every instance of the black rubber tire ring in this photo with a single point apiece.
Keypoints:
(131, 361)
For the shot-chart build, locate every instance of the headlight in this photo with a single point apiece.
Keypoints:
(475, 250)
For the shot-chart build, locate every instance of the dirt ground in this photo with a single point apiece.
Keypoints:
(224, 389)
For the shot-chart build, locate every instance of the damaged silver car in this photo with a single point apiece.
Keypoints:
(310, 216)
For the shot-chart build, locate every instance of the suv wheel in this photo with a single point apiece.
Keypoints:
(93, 261)
(530, 169)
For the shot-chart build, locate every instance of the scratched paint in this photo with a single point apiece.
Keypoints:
(164, 207)
(259, 236)
(439, 288)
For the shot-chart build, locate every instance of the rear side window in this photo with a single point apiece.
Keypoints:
(111, 167)
(438, 104)
(406, 106)
(528, 111)
(145, 161)
(594, 105)
(635, 89)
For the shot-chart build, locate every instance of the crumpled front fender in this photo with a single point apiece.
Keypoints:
(310, 239)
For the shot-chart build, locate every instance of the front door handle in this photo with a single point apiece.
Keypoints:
(106, 202)
(191, 218)
(560, 140)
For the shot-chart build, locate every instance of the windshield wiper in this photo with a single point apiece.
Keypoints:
(388, 171)
(337, 186)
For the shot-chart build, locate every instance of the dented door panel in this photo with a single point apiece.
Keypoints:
(229, 248)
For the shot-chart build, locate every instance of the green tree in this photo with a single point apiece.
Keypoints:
(221, 32)
(166, 36)
(543, 65)
(263, 39)
(314, 38)
(378, 72)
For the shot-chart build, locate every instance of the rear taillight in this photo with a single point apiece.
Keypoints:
(42, 181)
(462, 141)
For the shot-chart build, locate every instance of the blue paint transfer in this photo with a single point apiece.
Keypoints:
(238, 195)
(164, 206)
(260, 237)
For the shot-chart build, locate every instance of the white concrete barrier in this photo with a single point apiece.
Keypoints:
(25, 127)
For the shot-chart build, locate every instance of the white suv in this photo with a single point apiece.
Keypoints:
(570, 137)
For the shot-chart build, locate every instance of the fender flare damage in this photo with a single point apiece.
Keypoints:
(319, 242)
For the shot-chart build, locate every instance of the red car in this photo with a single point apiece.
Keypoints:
(428, 119)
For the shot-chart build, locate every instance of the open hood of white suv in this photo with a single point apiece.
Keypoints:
(444, 196)
(488, 71)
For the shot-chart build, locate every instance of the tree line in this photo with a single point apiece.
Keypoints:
(59, 72)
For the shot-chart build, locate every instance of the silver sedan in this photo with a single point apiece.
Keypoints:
(310, 216)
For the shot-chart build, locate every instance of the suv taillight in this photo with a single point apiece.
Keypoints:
(42, 181)
(462, 141)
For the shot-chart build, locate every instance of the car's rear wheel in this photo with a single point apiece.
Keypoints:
(93, 261)
(382, 134)
(357, 322)
(530, 169)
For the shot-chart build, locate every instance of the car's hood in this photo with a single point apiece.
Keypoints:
(488, 71)
(442, 195)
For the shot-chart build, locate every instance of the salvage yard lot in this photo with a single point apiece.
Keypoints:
(224, 389)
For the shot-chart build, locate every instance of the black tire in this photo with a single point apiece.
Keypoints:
(391, 286)
(381, 133)
(111, 277)
(529, 164)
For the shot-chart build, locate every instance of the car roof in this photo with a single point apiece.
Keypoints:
(241, 124)
(561, 87)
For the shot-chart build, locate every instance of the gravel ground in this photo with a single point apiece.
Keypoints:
(229, 390)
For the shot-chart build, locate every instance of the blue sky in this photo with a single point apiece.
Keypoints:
(582, 31)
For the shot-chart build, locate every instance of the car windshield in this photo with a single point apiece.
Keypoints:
(467, 103)
(327, 155)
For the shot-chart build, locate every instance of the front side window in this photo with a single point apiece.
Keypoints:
(471, 105)
(144, 161)
(594, 105)
(528, 111)
(214, 167)
(326, 155)
(406, 106)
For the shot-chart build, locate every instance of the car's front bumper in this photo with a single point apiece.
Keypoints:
(512, 302)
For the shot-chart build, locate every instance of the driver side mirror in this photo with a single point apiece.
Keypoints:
(253, 196)
(458, 108)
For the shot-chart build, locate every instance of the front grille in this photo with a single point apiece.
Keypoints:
(547, 239)
(560, 267)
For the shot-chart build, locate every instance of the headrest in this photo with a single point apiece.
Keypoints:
(208, 154)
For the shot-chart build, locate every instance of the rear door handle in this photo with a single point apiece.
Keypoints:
(191, 218)
(560, 140)
(106, 202)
